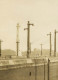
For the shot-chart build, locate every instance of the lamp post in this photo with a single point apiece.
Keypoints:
(55, 42)
(17, 42)
(41, 49)
(0, 47)
(28, 38)
(50, 42)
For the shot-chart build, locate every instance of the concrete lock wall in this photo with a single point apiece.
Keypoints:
(53, 71)
(23, 73)
(18, 74)
(38, 72)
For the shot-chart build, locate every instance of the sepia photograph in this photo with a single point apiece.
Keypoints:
(28, 39)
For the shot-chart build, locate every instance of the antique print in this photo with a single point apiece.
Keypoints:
(28, 39)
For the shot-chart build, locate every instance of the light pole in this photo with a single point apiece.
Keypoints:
(41, 49)
(30, 47)
(17, 41)
(28, 38)
(55, 42)
(50, 42)
(0, 47)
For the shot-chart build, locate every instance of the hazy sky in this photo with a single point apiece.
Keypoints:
(43, 13)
